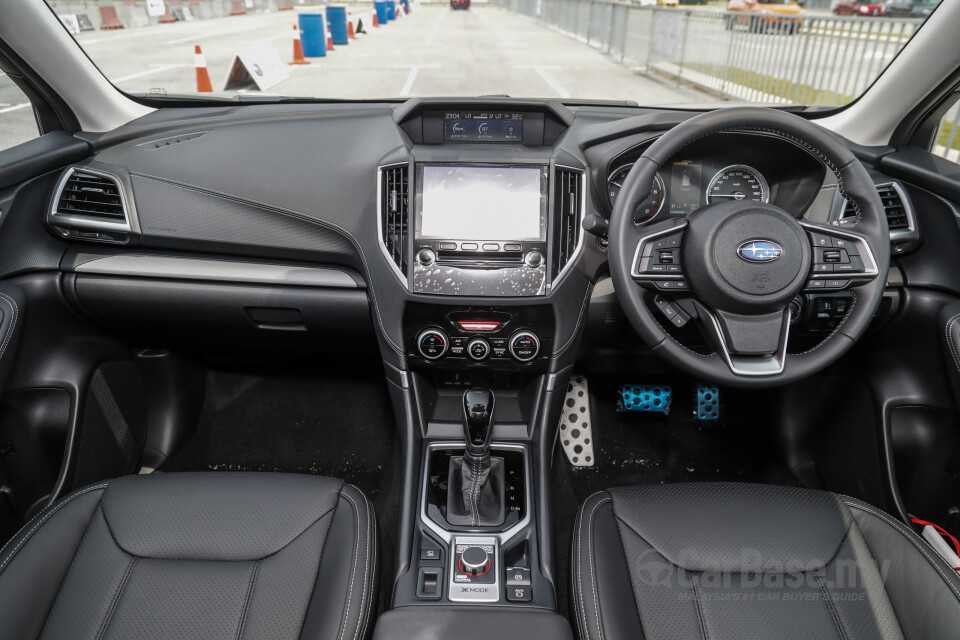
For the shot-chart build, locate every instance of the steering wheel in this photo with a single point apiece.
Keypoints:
(743, 262)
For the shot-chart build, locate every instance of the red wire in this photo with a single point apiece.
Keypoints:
(941, 531)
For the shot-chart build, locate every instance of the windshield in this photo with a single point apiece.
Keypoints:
(572, 50)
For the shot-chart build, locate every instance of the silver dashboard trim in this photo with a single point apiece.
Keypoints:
(381, 243)
(145, 265)
(572, 258)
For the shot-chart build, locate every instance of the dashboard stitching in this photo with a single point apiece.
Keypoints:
(13, 323)
(576, 329)
(304, 218)
(950, 340)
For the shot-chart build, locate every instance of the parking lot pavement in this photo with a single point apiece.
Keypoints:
(433, 51)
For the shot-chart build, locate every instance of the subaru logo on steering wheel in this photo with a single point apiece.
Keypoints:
(759, 251)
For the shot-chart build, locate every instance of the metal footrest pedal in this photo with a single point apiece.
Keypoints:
(576, 427)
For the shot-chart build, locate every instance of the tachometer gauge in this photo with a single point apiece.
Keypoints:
(649, 207)
(738, 182)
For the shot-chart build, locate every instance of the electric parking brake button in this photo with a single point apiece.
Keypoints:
(518, 576)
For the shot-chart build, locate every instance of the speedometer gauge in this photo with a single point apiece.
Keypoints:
(738, 182)
(648, 208)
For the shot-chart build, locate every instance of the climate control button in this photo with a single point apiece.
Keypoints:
(432, 344)
(524, 346)
(478, 349)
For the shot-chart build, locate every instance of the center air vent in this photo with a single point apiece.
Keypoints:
(394, 215)
(90, 205)
(568, 207)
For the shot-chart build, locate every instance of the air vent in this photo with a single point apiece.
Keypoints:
(568, 199)
(904, 232)
(91, 195)
(90, 205)
(394, 215)
(893, 205)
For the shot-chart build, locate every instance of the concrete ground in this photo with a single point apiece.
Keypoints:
(432, 52)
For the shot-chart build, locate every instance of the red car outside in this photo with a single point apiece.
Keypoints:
(855, 8)
(459, 4)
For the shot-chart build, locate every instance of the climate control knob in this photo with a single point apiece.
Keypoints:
(478, 349)
(432, 344)
(474, 561)
(524, 346)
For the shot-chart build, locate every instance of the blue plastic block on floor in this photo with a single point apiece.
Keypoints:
(646, 398)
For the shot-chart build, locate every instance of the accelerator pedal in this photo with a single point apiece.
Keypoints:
(645, 398)
(576, 430)
(708, 403)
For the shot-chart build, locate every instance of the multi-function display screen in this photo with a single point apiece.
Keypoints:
(482, 126)
(482, 203)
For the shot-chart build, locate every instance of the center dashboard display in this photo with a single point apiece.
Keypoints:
(482, 126)
(494, 203)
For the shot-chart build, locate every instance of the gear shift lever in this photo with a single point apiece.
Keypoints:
(475, 482)
(478, 422)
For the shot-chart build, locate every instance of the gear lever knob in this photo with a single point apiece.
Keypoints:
(478, 421)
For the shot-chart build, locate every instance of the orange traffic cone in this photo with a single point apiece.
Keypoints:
(298, 48)
(329, 39)
(376, 22)
(350, 34)
(203, 76)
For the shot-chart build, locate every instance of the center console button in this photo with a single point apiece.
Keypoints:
(474, 561)
(426, 257)
(533, 259)
(511, 247)
(468, 246)
(478, 349)
(524, 346)
(432, 344)
(491, 246)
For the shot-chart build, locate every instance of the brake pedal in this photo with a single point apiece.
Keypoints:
(576, 431)
(645, 398)
(708, 403)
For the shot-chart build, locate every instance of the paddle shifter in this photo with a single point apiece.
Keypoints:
(475, 494)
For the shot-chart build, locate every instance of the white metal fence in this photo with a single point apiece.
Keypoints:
(811, 59)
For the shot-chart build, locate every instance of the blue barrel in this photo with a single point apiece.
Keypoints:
(381, 8)
(337, 19)
(313, 35)
(391, 9)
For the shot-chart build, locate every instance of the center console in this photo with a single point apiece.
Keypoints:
(482, 218)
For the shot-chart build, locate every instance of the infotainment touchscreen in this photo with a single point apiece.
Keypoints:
(495, 203)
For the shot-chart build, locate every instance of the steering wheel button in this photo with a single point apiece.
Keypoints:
(674, 268)
(821, 240)
(823, 268)
(854, 266)
(835, 284)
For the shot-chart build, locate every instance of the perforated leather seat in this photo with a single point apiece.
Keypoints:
(741, 561)
(195, 556)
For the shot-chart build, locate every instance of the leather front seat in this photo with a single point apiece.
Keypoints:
(195, 555)
(739, 561)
